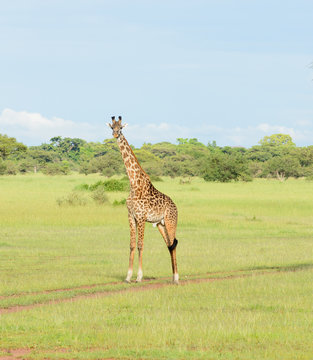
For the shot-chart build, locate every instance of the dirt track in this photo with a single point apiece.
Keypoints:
(145, 286)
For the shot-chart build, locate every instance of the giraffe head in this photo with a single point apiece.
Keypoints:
(116, 127)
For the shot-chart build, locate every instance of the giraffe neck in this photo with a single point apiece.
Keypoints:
(135, 172)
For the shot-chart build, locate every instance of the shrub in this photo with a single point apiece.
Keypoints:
(224, 168)
(11, 168)
(283, 167)
(85, 168)
(82, 187)
(155, 178)
(99, 196)
(72, 199)
(56, 168)
(108, 172)
(26, 166)
(3, 167)
(184, 181)
(110, 185)
(119, 202)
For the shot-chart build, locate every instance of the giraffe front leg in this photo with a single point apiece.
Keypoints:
(141, 231)
(132, 226)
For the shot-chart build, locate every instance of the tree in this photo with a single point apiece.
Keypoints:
(67, 147)
(10, 147)
(3, 167)
(224, 168)
(283, 167)
(277, 140)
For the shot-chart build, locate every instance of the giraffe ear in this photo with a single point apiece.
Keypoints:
(109, 125)
(125, 125)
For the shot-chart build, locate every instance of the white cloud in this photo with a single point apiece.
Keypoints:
(34, 128)
(267, 128)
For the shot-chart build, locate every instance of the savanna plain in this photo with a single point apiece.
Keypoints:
(245, 258)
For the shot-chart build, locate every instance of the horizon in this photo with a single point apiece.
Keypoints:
(209, 142)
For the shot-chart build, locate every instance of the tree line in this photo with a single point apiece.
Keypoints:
(274, 156)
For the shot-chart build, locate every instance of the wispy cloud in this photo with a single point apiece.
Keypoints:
(34, 128)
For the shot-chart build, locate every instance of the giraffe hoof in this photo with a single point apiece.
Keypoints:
(175, 279)
(138, 280)
(127, 281)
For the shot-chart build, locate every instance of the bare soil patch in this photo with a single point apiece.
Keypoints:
(16, 354)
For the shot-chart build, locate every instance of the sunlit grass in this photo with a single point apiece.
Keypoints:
(260, 317)
(222, 227)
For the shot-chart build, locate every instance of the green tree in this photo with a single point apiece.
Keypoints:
(10, 147)
(277, 140)
(224, 168)
(3, 167)
(283, 167)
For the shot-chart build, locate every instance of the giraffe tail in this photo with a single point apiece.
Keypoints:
(173, 246)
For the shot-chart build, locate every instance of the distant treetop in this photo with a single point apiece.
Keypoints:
(277, 140)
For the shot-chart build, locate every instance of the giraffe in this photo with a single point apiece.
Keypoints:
(145, 204)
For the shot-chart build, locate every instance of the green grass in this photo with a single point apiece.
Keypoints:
(261, 230)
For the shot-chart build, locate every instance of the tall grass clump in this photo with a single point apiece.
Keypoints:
(99, 196)
(72, 199)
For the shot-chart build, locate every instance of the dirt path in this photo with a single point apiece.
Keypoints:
(145, 286)
(16, 354)
(92, 286)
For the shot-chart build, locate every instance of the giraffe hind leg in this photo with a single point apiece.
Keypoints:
(168, 234)
(173, 246)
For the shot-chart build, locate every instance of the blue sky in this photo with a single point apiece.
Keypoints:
(229, 71)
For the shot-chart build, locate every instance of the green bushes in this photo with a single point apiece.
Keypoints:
(57, 168)
(224, 168)
(106, 185)
(97, 192)
(119, 202)
(3, 167)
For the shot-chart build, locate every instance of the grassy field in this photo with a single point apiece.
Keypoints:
(245, 258)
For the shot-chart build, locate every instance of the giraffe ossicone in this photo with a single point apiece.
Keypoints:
(145, 204)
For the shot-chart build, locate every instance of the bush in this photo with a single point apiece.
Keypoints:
(283, 167)
(121, 202)
(3, 167)
(11, 168)
(224, 168)
(108, 172)
(72, 199)
(155, 178)
(110, 185)
(99, 196)
(56, 168)
(82, 187)
(184, 181)
(26, 166)
(85, 168)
